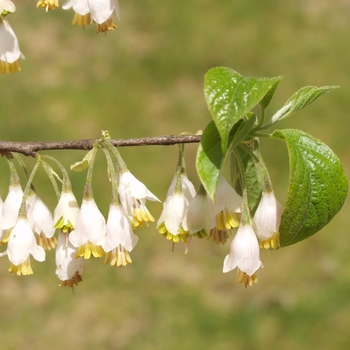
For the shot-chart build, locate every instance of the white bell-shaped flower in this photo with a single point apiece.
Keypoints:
(120, 239)
(172, 222)
(133, 195)
(21, 244)
(198, 217)
(10, 209)
(244, 255)
(227, 204)
(101, 12)
(66, 212)
(6, 7)
(267, 220)
(41, 221)
(10, 52)
(90, 230)
(68, 268)
(173, 213)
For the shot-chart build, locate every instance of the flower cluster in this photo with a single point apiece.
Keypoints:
(28, 226)
(86, 12)
(188, 214)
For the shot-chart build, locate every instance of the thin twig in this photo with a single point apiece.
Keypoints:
(30, 148)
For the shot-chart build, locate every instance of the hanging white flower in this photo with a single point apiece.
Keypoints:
(227, 205)
(21, 244)
(172, 222)
(82, 11)
(101, 12)
(199, 218)
(133, 195)
(10, 210)
(66, 212)
(41, 221)
(244, 255)
(9, 49)
(173, 214)
(267, 220)
(120, 239)
(68, 268)
(6, 7)
(90, 230)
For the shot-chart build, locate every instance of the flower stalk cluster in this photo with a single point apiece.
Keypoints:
(28, 227)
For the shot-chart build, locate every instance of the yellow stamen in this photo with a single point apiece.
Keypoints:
(86, 250)
(141, 216)
(200, 234)
(21, 269)
(219, 236)
(81, 20)
(183, 235)
(106, 26)
(118, 256)
(72, 281)
(47, 4)
(60, 225)
(7, 68)
(272, 243)
(226, 220)
(246, 279)
(46, 243)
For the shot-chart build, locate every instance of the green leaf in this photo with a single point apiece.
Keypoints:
(317, 189)
(301, 99)
(210, 157)
(83, 164)
(230, 96)
(253, 177)
(264, 103)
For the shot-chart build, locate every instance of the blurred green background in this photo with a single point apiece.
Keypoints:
(145, 79)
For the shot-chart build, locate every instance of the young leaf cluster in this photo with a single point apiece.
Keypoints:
(318, 185)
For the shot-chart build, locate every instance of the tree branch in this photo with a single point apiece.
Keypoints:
(30, 148)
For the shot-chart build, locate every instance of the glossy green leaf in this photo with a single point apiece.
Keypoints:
(230, 96)
(268, 97)
(210, 157)
(301, 99)
(253, 176)
(317, 189)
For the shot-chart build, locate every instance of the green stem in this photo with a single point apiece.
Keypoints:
(14, 178)
(259, 162)
(49, 171)
(28, 188)
(88, 193)
(67, 187)
(24, 168)
(112, 165)
(245, 219)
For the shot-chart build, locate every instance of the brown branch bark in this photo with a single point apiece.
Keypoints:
(30, 148)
